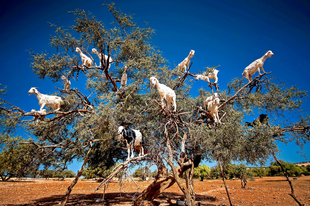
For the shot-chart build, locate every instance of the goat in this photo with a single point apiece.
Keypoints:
(67, 83)
(38, 114)
(85, 59)
(102, 56)
(212, 103)
(256, 65)
(167, 95)
(124, 78)
(206, 76)
(185, 63)
(134, 140)
(52, 101)
(262, 119)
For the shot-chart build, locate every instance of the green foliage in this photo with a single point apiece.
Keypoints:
(143, 173)
(231, 171)
(215, 172)
(201, 172)
(291, 169)
(259, 172)
(19, 161)
(56, 173)
(138, 173)
(46, 173)
(92, 114)
(154, 174)
(308, 168)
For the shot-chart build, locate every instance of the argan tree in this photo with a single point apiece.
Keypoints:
(86, 126)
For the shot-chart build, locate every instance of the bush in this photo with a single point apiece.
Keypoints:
(201, 172)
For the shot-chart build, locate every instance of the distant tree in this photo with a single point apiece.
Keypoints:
(63, 174)
(215, 172)
(89, 173)
(308, 169)
(243, 173)
(153, 174)
(138, 173)
(47, 173)
(202, 172)
(18, 161)
(291, 169)
(259, 172)
(274, 170)
(68, 173)
(143, 173)
(86, 126)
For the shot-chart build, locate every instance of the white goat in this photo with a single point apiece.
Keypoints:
(212, 103)
(124, 78)
(67, 83)
(256, 65)
(167, 95)
(52, 101)
(38, 114)
(85, 59)
(208, 76)
(134, 140)
(102, 56)
(41, 112)
(185, 63)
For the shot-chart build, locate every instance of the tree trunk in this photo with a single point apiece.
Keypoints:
(288, 179)
(160, 184)
(223, 176)
(76, 179)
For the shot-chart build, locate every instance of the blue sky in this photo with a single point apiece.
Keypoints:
(231, 34)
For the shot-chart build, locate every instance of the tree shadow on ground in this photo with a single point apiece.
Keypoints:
(16, 181)
(274, 180)
(116, 199)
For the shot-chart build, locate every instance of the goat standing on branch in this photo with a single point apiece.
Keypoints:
(185, 63)
(124, 78)
(102, 57)
(212, 103)
(52, 101)
(261, 120)
(167, 95)
(206, 76)
(134, 140)
(67, 83)
(85, 59)
(256, 65)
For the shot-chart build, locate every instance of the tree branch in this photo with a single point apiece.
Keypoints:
(236, 94)
(16, 108)
(183, 78)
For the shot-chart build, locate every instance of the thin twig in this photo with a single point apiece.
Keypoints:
(236, 94)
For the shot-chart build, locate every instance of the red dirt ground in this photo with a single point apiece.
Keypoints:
(262, 191)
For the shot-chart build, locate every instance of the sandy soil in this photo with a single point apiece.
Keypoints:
(262, 191)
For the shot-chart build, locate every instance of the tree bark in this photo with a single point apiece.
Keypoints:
(160, 184)
(223, 176)
(287, 178)
(76, 179)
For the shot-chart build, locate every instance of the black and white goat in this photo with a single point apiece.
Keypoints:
(133, 140)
